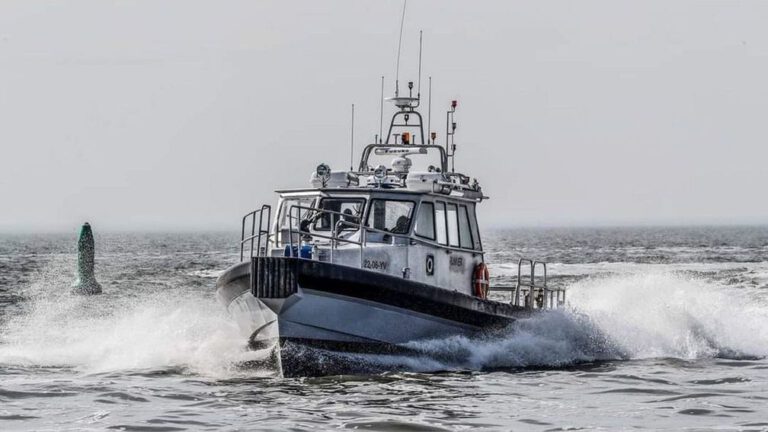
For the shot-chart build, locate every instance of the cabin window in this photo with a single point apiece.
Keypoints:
(440, 222)
(351, 209)
(284, 219)
(425, 222)
(453, 225)
(465, 233)
(390, 215)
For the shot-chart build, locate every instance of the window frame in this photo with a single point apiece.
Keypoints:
(445, 223)
(283, 211)
(475, 247)
(410, 222)
(434, 218)
(456, 234)
(476, 238)
(469, 227)
(338, 198)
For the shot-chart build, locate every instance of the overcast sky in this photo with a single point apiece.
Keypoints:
(186, 114)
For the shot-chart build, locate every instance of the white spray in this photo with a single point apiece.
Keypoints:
(636, 316)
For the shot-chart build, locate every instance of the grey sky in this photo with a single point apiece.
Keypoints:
(186, 114)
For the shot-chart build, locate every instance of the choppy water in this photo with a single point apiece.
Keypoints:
(666, 329)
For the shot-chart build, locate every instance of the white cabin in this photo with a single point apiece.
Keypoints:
(402, 213)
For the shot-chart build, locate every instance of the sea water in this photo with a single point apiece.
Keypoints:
(664, 329)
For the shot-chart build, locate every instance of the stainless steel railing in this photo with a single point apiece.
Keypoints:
(256, 237)
(334, 238)
(536, 295)
(531, 291)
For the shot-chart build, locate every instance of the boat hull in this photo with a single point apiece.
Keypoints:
(295, 305)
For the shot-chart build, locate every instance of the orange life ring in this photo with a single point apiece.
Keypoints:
(481, 281)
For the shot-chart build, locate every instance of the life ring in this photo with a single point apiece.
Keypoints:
(481, 281)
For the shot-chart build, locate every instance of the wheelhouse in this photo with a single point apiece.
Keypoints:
(427, 237)
(441, 221)
(402, 213)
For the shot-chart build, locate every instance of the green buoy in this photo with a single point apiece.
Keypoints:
(86, 280)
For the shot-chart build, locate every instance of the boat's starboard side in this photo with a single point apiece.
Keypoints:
(281, 277)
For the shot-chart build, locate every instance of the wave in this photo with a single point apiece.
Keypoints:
(639, 316)
(674, 315)
(636, 316)
(180, 330)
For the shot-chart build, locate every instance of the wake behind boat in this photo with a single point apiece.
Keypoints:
(372, 260)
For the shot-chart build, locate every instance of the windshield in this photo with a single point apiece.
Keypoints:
(283, 219)
(390, 215)
(351, 209)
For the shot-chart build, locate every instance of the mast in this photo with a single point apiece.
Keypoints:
(450, 131)
(399, 46)
(352, 141)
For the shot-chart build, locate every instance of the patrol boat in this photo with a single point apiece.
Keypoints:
(373, 260)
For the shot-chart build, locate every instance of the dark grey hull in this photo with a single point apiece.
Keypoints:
(300, 305)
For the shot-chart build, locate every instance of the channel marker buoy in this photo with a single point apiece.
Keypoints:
(86, 279)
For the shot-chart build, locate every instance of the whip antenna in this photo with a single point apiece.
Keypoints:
(399, 45)
(381, 111)
(352, 141)
(418, 91)
(429, 111)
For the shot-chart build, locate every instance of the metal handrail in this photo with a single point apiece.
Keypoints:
(358, 225)
(255, 236)
(364, 230)
(406, 236)
(333, 237)
(550, 297)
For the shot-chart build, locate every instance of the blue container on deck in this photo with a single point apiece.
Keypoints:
(304, 252)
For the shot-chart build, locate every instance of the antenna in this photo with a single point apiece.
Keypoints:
(352, 141)
(429, 110)
(381, 111)
(418, 91)
(450, 131)
(399, 45)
